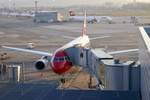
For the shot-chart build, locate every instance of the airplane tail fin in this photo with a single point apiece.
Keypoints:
(72, 13)
(84, 29)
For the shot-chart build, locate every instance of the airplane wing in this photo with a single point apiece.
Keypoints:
(28, 51)
(99, 37)
(70, 37)
(123, 51)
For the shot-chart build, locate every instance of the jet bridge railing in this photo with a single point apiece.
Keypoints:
(89, 59)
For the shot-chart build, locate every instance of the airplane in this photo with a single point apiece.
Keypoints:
(16, 14)
(59, 61)
(90, 19)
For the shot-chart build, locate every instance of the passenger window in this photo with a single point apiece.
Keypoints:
(60, 59)
(56, 59)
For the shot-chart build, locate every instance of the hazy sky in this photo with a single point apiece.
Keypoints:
(63, 2)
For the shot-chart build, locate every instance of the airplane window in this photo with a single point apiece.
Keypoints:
(61, 59)
(56, 59)
(67, 58)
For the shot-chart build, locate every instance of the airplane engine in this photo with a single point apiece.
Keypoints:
(41, 64)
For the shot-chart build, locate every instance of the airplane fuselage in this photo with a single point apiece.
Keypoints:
(90, 18)
(60, 61)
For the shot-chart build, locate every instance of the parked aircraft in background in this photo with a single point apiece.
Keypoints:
(90, 19)
(16, 14)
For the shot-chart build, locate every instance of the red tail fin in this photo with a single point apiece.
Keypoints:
(71, 13)
(84, 29)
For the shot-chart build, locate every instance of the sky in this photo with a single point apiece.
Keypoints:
(63, 2)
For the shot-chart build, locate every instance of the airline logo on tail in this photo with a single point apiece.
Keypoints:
(72, 13)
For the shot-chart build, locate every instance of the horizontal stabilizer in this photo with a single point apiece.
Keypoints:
(100, 37)
(123, 51)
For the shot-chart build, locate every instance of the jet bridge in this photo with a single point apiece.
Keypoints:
(117, 75)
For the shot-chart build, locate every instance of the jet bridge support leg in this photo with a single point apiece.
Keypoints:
(90, 82)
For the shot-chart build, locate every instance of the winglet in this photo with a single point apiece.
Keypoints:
(84, 29)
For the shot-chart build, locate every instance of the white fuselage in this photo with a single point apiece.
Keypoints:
(90, 18)
(82, 41)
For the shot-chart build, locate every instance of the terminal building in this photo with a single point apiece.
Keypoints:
(45, 16)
